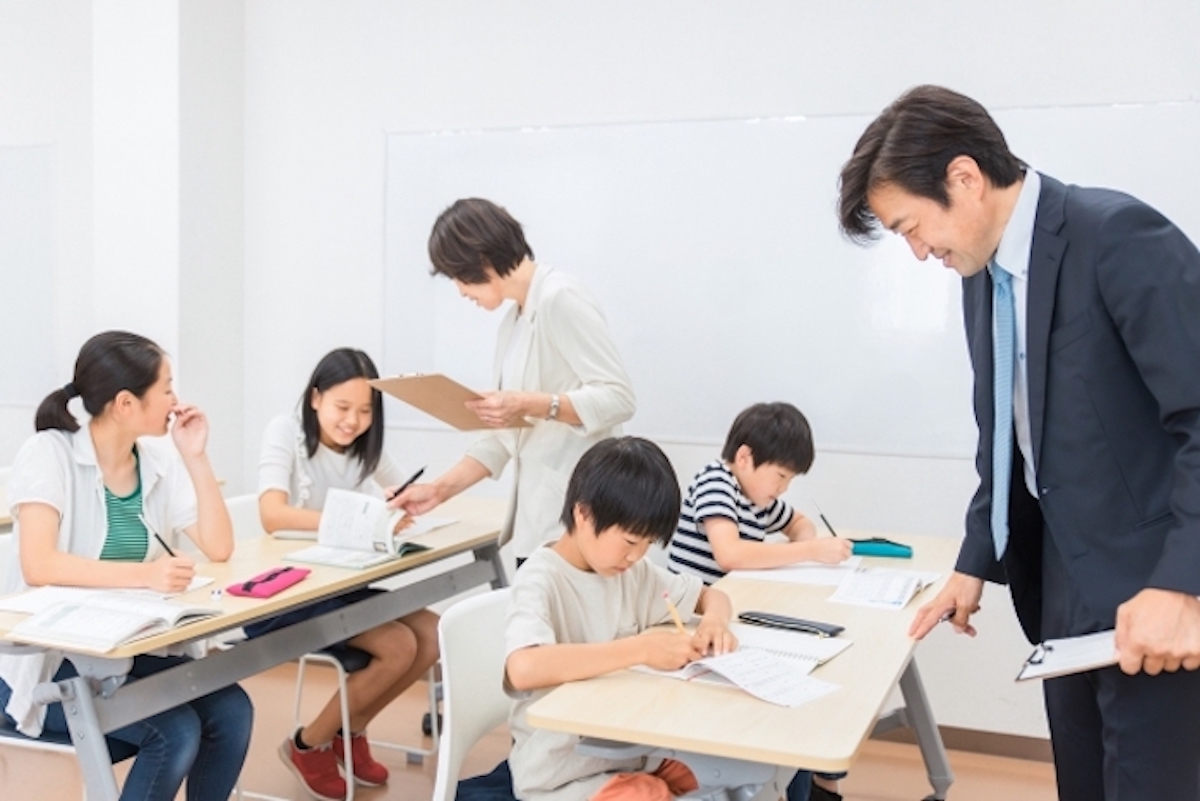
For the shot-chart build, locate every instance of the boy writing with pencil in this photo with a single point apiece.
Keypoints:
(581, 607)
(734, 502)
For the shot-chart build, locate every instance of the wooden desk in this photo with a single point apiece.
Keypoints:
(6, 519)
(98, 701)
(822, 735)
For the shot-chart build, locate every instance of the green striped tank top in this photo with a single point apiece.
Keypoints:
(127, 539)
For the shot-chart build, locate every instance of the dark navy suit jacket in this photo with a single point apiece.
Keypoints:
(1113, 360)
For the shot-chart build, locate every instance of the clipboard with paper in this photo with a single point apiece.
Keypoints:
(438, 396)
(1054, 658)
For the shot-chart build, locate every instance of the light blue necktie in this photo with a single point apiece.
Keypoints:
(1003, 348)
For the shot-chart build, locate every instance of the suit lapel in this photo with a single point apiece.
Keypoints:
(1045, 259)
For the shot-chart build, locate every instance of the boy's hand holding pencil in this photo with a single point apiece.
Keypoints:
(712, 635)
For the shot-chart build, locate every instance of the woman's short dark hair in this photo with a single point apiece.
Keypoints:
(337, 367)
(472, 235)
(626, 482)
(775, 433)
(108, 363)
(911, 144)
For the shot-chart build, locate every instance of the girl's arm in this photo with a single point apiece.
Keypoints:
(42, 563)
(540, 666)
(277, 514)
(213, 530)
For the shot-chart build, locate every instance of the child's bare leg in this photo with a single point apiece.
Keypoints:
(392, 647)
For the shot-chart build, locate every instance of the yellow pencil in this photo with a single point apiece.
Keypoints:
(674, 613)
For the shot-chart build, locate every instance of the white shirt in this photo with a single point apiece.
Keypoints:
(1013, 256)
(58, 468)
(284, 464)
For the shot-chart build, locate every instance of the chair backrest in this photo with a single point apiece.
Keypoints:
(243, 512)
(471, 635)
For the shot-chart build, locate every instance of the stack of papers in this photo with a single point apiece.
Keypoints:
(882, 588)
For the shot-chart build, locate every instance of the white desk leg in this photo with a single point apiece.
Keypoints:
(90, 747)
(929, 739)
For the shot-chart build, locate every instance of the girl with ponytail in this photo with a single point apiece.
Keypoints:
(88, 502)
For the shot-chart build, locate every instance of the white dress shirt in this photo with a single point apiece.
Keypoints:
(1013, 256)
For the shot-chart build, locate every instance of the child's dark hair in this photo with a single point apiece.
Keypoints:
(108, 363)
(626, 482)
(337, 367)
(776, 433)
(472, 235)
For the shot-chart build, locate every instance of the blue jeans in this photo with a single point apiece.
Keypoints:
(203, 741)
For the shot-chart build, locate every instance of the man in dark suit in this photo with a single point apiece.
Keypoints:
(1082, 314)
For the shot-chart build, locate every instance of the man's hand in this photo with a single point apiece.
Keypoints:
(957, 601)
(1158, 630)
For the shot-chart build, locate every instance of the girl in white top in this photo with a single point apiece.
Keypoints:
(336, 441)
(87, 504)
(556, 365)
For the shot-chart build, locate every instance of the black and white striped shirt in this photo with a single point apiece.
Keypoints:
(714, 492)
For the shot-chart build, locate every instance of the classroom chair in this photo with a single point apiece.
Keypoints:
(471, 638)
(344, 659)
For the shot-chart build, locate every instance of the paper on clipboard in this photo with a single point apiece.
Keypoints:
(1070, 655)
(437, 395)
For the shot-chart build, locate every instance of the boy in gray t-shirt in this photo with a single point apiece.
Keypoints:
(577, 604)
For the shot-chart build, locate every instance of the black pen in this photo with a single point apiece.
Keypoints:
(163, 543)
(821, 515)
(406, 484)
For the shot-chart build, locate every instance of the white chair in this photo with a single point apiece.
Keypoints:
(471, 634)
(243, 511)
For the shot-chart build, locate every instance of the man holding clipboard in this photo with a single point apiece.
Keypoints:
(1080, 308)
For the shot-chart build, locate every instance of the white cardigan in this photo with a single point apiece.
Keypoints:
(571, 354)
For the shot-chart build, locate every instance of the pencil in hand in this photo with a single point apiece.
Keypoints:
(674, 614)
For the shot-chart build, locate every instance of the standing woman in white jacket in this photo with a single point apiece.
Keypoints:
(556, 368)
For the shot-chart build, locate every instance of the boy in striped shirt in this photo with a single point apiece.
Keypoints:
(733, 503)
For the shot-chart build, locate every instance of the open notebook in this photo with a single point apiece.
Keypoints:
(770, 664)
(103, 620)
(357, 531)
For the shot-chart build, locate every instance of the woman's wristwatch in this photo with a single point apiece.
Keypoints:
(554, 404)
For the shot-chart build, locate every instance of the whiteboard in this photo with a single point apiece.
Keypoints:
(714, 250)
(27, 364)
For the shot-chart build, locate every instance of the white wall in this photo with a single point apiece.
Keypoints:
(45, 100)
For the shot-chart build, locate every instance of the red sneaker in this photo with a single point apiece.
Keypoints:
(316, 769)
(367, 771)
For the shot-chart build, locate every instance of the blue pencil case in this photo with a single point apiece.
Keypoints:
(878, 546)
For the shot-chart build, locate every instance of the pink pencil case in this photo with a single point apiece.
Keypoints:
(269, 582)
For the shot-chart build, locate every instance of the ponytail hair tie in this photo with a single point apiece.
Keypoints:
(69, 390)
